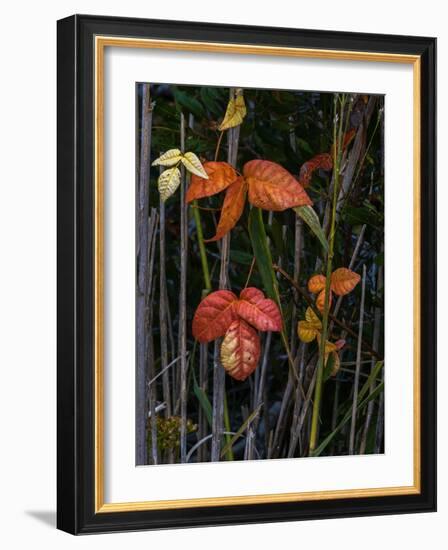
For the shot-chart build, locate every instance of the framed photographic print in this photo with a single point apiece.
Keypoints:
(246, 274)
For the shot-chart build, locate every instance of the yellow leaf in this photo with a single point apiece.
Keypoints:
(330, 347)
(331, 357)
(169, 181)
(193, 165)
(170, 158)
(313, 319)
(306, 331)
(235, 112)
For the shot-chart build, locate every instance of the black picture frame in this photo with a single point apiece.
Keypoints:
(75, 310)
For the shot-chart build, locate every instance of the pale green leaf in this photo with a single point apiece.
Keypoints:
(168, 159)
(169, 181)
(193, 165)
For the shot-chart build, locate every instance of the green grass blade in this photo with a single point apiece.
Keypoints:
(240, 431)
(360, 404)
(309, 216)
(203, 400)
(262, 254)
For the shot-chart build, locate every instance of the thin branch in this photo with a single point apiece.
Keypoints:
(163, 370)
(358, 365)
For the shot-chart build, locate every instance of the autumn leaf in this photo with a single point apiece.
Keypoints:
(343, 281)
(235, 112)
(320, 300)
(271, 187)
(220, 176)
(214, 315)
(322, 161)
(339, 344)
(168, 159)
(310, 328)
(262, 313)
(232, 208)
(168, 182)
(305, 332)
(332, 360)
(312, 319)
(193, 165)
(316, 283)
(240, 350)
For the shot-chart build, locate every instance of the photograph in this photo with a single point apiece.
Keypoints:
(259, 264)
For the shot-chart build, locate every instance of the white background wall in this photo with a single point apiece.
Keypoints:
(28, 272)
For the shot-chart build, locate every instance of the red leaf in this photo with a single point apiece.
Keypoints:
(240, 350)
(220, 176)
(323, 161)
(232, 208)
(339, 344)
(214, 315)
(262, 313)
(271, 187)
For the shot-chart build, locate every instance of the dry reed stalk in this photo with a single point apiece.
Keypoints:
(218, 371)
(298, 245)
(142, 276)
(358, 364)
(375, 345)
(166, 385)
(183, 300)
(295, 438)
(152, 392)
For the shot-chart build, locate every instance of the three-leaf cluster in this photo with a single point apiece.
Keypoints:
(222, 313)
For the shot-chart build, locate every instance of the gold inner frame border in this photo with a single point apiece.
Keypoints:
(100, 43)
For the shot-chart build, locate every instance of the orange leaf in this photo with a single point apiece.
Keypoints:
(214, 315)
(232, 208)
(240, 350)
(343, 281)
(220, 176)
(323, 161)
(320, 300)
(271, 187)
(262, 313)
(316, 283)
